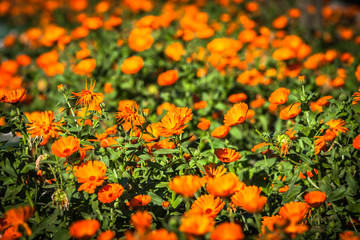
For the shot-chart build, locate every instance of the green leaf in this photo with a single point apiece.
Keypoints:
(12, 191)
(165, 151)
(177, 202)
(354, 208)
(291, 194)
(155, 198)
(337, 194)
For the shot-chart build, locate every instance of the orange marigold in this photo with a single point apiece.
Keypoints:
(225, 185)
(174, 122)
(13, 96)
(161, 234)
(290, 112)
(84, 229)
(18, 216)
(207, 205)
(228, 231)
(337, 126)
(220, 132)
(175, 51)
(168, 78)
(65, 146)
(106, 235)
(140, 39)
(279, 96)
(236, 114)
(204, 124)
(196, 224)
(249, 199)
(315, 198)
(356, 142)
(87, 97)
(141, 221)
(132, 65)
(139, 201)
(227, 155)
(185, 185)
(91, 174)
(110, 192)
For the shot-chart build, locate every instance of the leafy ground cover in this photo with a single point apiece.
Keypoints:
(179, 120)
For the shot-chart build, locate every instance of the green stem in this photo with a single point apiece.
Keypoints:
(28, 197)
(312, 183)
(258, 221)
(59, 171)
(68, 103)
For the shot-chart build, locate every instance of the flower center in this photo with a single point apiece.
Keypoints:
(92, 178)
(208, 211)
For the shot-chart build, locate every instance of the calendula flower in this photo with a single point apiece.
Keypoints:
(228, 231)
(236, 114)
(207, 205)
(337, 126)
(294, 211)
(315, 198)
(185, 185)
(174, 122)
(13, 96)
(279, 96)
(348, 235)
(141, 221)
(91, 174)
(18, 216)
(84, 229)
(153, 131)
(261, 145)
(106, 235)
(130, 114)
(65, 146)
(224, 186)
(139, 201)
(212, 171)
(132, 65)
(220, 132)
(44, 125)
(356, 142)
(161, 234)
(168, 78)
(249, 199)
(88, 98)
(356, 96)
(175, 51)
(110, 192)
(290, 112)
(204, 124)
(268, 224)
(196, 224)
(85, 66)
(227, 155)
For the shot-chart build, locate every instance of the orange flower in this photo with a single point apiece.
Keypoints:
(106, 235)
(175, 51)
(237, 97)
(294, 211)
(168, 78)
(280, 22)
(129, 114)
(228, 231)
(260, 145)
(110, 192)
(140, 39)
(204, 124)
(257, 103)
(224, 186)
(18, 216)
(92, 23)
(356, 142)
(268, 223)
(88, 98)
(315, 198)
(139, 201)
(83, 53)
(13, 96)
(91, 174)
(337, 126)
(84, 229)
(196, 225)
(236, 114)
(23, 60)
(207, 205)
(174, 122)
(200, 105)
(348, 235)
(186, 185)
(141, 221)
(279, 96)
(249, 199)
(220, 132)
(227, 155)
(356, 96)
(44, 126)
(212, 172)
(65, 146)
(79, 32)
(132, 65)
(291, 111)
(85, 67)
(161, 234)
